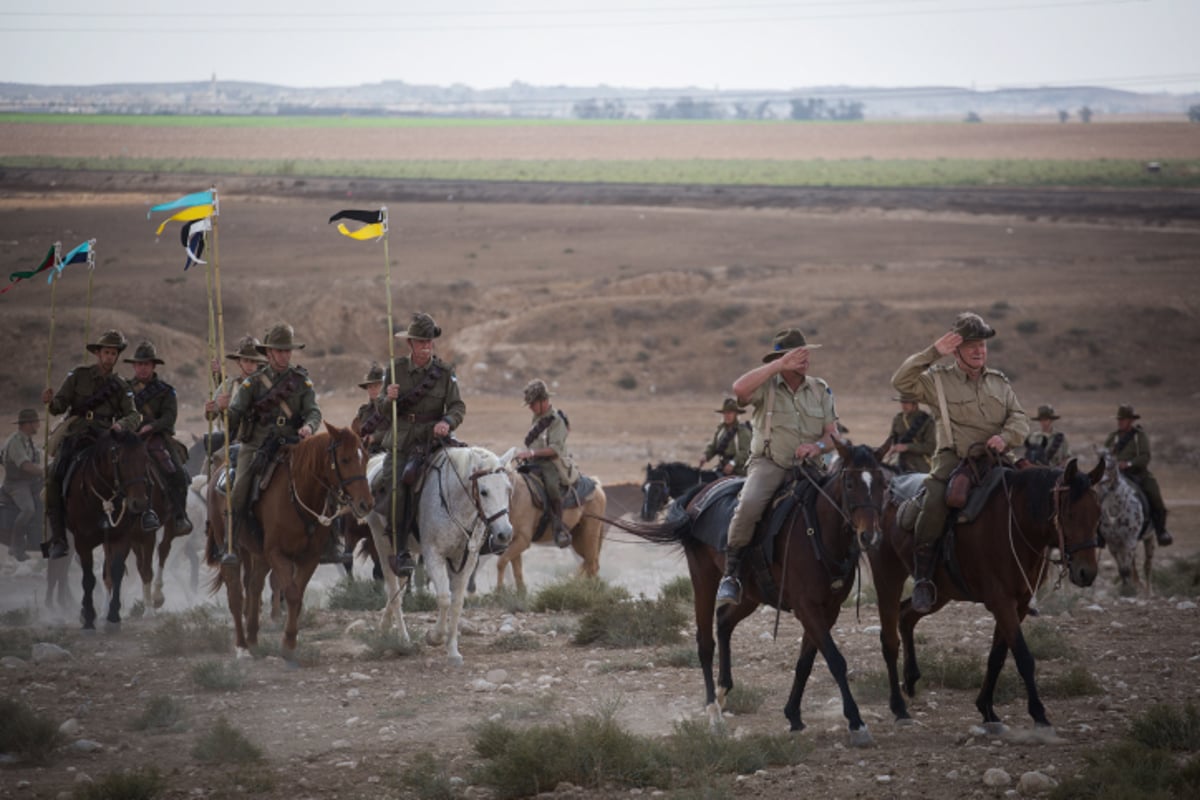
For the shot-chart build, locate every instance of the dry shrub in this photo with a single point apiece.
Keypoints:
(386, 644)
(633, 623)
(429, 777)
(137, 784)
(351, 594)
(197, 630)
(30, 736)
(578, 595)
(225, 744)
(163, 714)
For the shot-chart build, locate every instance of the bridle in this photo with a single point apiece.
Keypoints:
(118, 486)
(648, 488)
(1062, 508)
(342, 501)
(470, 485)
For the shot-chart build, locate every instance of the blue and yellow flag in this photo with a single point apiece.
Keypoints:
(374, 223)
(187, 201)
(187, 215)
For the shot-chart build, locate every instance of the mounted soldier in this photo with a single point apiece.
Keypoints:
(369, 422)
(275, 405)
(158, 406)
(730, 441)
(1130, 445)
(96, 399)
(424, 391)
(22, 479)
(546, 455)
(249, 360)
(793, 421)
(1047, 447)
(913, 437)
(975, 406)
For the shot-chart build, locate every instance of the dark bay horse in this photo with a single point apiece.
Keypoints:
(812, 569)
(668, 480)
(1000, 556)
(321, 477)
(106, 496)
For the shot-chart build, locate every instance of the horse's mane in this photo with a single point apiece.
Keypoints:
(1038, 483)
(308, 455)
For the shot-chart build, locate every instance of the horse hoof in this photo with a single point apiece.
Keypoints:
(861, 738)
(796, 726)
(242, 653)
(716, 722)
(995, 728)
(455, 660)
(905, 722)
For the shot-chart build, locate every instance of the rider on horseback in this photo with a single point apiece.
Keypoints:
(1131, 447)
(155, 400)
(97, 399)
(794, 419)
(1047, 447)
(913, 438)
(424, 392)
(973, 404)
(730, 441)
(274, 406)
(546, 454)
(368, 418)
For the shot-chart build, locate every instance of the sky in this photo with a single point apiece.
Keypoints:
(1137, 45)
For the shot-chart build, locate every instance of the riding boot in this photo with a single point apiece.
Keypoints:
(730, 590)
(402, 563)
(228, 558)
(57, 546)
(924, 592)
(1159, 518)
(150, 521)
(335, 553)
(183, 525)
(562, 535)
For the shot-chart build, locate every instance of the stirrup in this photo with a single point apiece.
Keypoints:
(729, 592)
(150, 521)
(402, 564)
(1164, 537)
(183, 525)
(562, 537)
(56, 548)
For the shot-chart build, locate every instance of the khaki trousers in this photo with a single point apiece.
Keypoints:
(932, 520)
(763, 478)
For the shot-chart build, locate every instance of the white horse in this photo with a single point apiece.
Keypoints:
(1123, 521)
(464, 498)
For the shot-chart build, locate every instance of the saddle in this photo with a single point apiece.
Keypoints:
(573, 497)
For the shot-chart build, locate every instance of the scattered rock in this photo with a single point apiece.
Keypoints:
(46, 653)
(69, 728)
(996, 777)
(497, 675)
(481, 685)
(86, 746)
(12, 662)
(1035, 783)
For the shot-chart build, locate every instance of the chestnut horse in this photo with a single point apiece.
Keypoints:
(320, 478)
(812, 568)
(585, 522)
(999, 558)
(106, 496)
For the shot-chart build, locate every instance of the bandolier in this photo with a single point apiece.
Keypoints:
(158, 406)
(547, 455)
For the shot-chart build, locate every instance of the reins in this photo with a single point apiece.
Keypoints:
(118, 486)
(341, 498)
(476, 499)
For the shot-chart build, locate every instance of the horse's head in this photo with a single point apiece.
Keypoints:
(120, 460)
(348, 471)
(862, 484)
(655, 492)
(1076, 519)
(491, 489)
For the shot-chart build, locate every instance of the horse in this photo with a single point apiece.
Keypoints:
(586, 523)
(320, 478)
(1124, 520)
(625, 498)
(813, 560)
(998, 559)
(106, 496)
(668, 480)
(464, 497)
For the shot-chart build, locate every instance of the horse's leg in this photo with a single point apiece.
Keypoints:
(1025, 667)
(1146, 564)
(164, 550)
(87, 612)
(859, 736)
(804, 665)
(727, 620)
(889, 575)
(908, 623)
(518, 570)
(115, 568)
(435, 568)
(995, 662)
(255, 576)
(457, 596)
(232, 578)
(294, 595)
(394, 610)
(502, 562)
(586, 540)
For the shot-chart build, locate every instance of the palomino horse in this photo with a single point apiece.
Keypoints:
(464, 498)
(668, 480)
(1124, 520)
(586, 524)
(320, 478)
(813, 560)
(998, 560)
(106, 497)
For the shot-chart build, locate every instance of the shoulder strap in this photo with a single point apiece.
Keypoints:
(538, 429)
(941, 396)
(769, 416)
(283, 406)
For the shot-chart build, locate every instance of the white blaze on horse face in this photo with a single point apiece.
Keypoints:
(866, 479)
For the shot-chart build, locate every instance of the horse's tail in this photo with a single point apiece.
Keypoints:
(672, 530)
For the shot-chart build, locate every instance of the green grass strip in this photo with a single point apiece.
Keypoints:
(865, 173)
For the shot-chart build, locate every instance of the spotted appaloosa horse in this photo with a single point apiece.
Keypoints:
(1125, 520)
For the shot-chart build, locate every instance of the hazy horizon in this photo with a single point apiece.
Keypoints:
(1135, 45)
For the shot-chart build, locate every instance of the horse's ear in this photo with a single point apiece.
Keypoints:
(1070, 470)
(882, 450)
(1097, 473)
(508, 456)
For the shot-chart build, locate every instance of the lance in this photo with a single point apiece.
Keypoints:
(216, 268)
(387, 272)
(49, 376)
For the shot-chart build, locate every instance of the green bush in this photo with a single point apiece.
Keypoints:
(1046, 642)
(428, 777)
(679, 589)
(225, 744)
(351, 594)
(194, 631)
(138, 784)
(1168, 728)
(686, 657)
(1075, 682)
(26, 734)
(745, 699)
(218, 676)
(1180, 577)
(514, 642)
(632, 623)
(578, 595)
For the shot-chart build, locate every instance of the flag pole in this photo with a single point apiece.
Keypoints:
(216, 259)
(214, 375)
(387, 272)
(49, 376)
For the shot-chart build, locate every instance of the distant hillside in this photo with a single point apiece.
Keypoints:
(524, 100)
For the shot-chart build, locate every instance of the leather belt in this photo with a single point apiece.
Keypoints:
(413, 419)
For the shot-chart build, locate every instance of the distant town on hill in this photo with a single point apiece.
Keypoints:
(520, 100)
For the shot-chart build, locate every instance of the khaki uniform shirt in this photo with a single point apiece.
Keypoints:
(1041, 439)
(18, 450)
(555, 437)
(800, 417)
(1136, 451)
(916, 457)
(80, 384)
(415, 421)
(254, 429)
(736, 450)
(978, 409)
(161, 410)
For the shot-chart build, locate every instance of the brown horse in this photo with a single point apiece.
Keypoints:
(813, 560)
(999, 559)
(320, 477)
(586, 524)
(106, 496)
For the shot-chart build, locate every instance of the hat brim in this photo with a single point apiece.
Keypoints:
(1130, 416)
(899, 399)
(25, 421)
(96, 348)
(365, 384)
(1052, 417)
(143, 361)
(774, 354)
(407, 335)
(736, 411)
(240, 356)
(263, 348)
